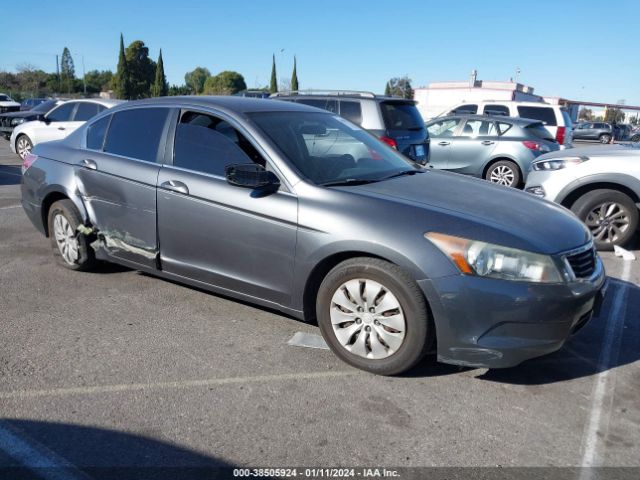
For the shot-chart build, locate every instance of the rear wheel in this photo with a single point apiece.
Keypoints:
(504, 173)
(611, 216)
(374, 316)
(71, 249)
(605, 138)
(23, 145)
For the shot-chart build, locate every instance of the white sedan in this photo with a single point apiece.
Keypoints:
(57, 124)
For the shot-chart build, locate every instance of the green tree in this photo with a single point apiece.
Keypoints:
(273, 87)
(585, 114)
(175, 90)
(160, 87)
(196, 78)
(613, 115)
(67, 71)
(98, 81)
(294, 76)
(387, 89)
(142, 70)
(225, 83)
(399, 87)
(121, 82)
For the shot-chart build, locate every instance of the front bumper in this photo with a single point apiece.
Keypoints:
(493, 323)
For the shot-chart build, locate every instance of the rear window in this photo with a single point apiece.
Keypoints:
(401, 116)
(496, 110)
(465, 109)
(136, 133)
(545, 114)
(538, 130)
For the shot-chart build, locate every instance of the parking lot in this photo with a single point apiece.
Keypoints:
(121, 369)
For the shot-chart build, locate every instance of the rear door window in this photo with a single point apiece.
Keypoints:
(545, 114)
(444, 128)
(351, 111)
(479, 128)
(62, 113)
(401, 116)
(496, 110)
(323, 103)
(465, 109)
(85, 111)
(136, 133)
(503, 127)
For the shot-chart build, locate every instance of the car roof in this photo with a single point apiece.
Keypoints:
(232, 103)
(107, 102)
(341, 96)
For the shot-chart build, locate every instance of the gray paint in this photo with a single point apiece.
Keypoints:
(264, 247)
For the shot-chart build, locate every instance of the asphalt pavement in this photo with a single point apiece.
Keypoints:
(120, 369)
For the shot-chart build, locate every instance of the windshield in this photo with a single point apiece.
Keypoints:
(45, 106)
(326, 149)
(4, 98)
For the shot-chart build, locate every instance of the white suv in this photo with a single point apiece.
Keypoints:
(556, 119)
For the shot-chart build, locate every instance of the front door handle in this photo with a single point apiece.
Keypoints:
(487, 142)
(175, 186)
(90, 164)
(444, 143)
(61, 128)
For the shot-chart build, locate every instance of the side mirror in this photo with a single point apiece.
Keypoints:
(46, 120)
(251, 175)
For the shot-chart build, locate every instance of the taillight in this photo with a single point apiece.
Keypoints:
(28, 160)
(560, 134)
(390, 141)
(535, 146)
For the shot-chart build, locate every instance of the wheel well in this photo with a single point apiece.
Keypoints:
(570, 199)
(317, 275)
(46, 205)
(501, 159)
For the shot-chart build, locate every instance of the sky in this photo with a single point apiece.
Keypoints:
(572, 49)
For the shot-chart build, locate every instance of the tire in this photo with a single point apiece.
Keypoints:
(63, 221)
(635, 138)
(504, 172)
(23, 145)
(611, 216)
(604, 138)
(406, 328)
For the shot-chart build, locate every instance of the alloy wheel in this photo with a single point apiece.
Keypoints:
(502, 175)
(23, 146)
(608, 222)
(66, 239)
(367, 319)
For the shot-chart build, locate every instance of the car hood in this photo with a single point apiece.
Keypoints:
(593, 151)
(489, 212)
(22, 114)
(9, 104)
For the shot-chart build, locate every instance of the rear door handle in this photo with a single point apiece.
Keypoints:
(487, 142)
(175, 186)
(90, 164)
(444, 143)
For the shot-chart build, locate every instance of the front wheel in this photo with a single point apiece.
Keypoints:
(605, 138)
(374, 316)
(504, 173)
(24, 145)
(611, 216)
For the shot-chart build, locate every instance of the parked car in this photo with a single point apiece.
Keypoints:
(556, 119)
(224, 193)
(599, 131)
(30, 103)
(601, 185)
(56, 124)
(7, 104)
(395, 121)
(9, 121)
(498, 149)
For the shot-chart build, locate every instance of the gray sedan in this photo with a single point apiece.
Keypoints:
(498, 149)
(241, 197)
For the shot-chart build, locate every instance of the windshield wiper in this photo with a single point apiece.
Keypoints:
(349, 181)
(401, 174)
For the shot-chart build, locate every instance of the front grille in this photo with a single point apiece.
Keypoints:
(583, 263)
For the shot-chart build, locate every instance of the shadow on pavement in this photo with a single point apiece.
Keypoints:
(79, 452)
(10, 175)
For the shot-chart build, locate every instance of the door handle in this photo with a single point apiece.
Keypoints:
(444, 143)
(487, 142)
(175, 186)
(61, 128)
(90, 164)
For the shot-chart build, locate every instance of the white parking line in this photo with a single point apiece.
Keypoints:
(10, 206)
(600, 412)
(127, 387)
(36, 457)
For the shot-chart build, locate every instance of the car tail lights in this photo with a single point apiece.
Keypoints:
(390, 141)
(560, 134)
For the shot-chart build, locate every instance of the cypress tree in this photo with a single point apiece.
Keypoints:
(294, 76)
(387, 90)
(122, 82)
(67, 71)
(273, 88)
(160, 87)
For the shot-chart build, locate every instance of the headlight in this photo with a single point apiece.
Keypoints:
(494, 261)
(17, 121)
(559, 163)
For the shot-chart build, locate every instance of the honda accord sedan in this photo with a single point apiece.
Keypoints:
(239, 196)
